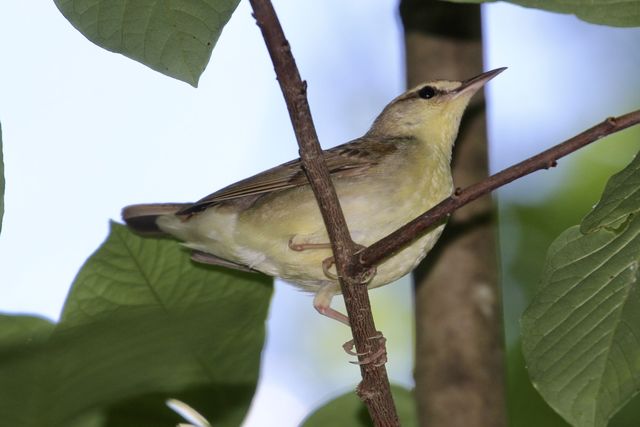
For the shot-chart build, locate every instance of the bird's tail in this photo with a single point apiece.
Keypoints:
(142, 218)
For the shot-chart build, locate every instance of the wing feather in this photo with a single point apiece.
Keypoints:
(350, 159)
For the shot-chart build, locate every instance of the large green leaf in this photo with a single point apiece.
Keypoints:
(141, 324)
(1, 182)
(348, 410)
(619, 201)
(581, 332)
(174, 37)
(19, 331)
(618, 13)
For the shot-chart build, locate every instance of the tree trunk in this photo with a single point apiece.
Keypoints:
(459, 369)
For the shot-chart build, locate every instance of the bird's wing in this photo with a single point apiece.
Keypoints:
(206, 258)
(350, 159)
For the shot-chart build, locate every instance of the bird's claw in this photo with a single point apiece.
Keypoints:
(368, 275)
(378, 358)
(326, 265)
(348, 348)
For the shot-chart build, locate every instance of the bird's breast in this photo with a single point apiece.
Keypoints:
(374, 204)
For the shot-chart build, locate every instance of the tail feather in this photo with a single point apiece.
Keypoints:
(142, 218)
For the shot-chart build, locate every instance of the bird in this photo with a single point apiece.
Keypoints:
(271, 222)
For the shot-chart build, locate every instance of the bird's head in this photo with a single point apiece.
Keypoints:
(430, 111)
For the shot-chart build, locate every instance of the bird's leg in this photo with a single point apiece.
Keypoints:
(326, 264)
(323, 297)
(322, 303)
(378, 358)
(299, 247)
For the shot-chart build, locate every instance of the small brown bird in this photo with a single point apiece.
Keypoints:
(271, 223)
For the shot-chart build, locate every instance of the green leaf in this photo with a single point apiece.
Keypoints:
(142, 324)
(174, 37)
(19, 331)
(621, 198)
(581, 333)
(2, 184)
(616, 13)
(20, 336)
(348, 410)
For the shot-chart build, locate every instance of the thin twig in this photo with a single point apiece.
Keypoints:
(411, 231)
(374, 389)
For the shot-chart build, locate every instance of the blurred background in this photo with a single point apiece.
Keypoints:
(86, 132)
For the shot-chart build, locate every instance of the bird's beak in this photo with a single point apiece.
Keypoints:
(473, 84)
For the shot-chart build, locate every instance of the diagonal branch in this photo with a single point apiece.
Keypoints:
(374, 389)
(411, 231)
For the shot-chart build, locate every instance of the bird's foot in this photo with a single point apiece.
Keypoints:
(322, 303)
(348, 348)
(368, 275)
(365, 278)
(326, 265)
(377, 358)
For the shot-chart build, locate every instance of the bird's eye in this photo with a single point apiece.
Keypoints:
(427, 92)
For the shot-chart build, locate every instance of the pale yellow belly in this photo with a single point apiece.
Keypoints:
(370, 217)
(259, 237)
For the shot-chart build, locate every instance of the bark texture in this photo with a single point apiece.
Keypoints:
(374, 389)
(459, 344)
